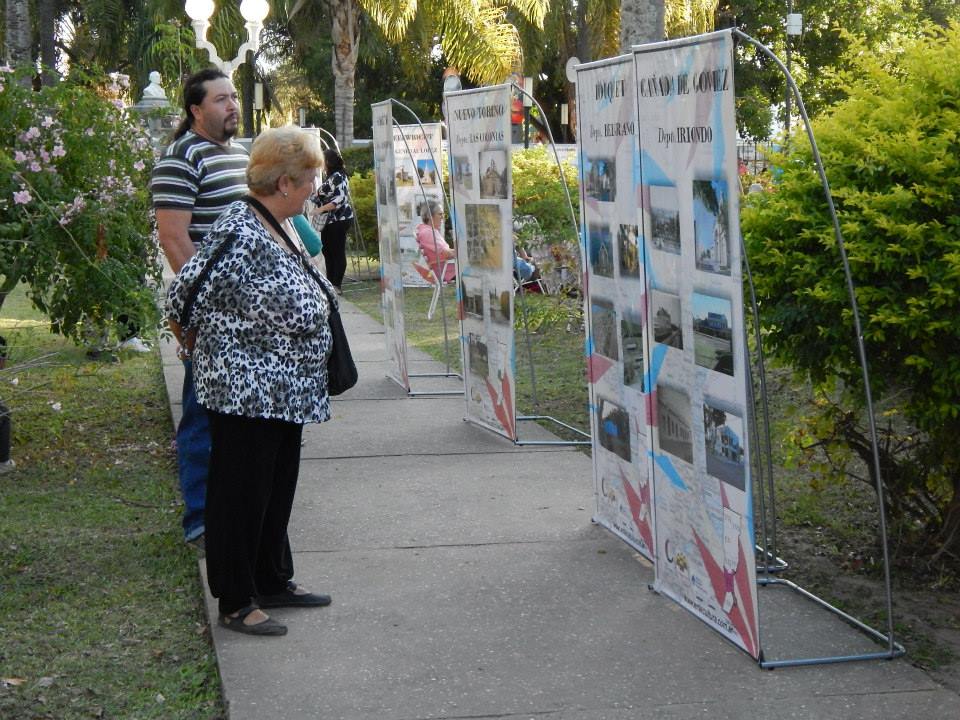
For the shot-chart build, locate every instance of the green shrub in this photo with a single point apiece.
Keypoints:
(358, 159)
(363, 196)
(537, 191)
(75, 222)
(892, 155)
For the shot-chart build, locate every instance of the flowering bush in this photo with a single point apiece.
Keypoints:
(75, 223)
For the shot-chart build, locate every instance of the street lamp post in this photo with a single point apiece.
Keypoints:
(253, 11)
(794, 29)
(527, 104)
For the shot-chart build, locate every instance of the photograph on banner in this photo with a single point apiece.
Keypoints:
(701, 478)
(479, 163)
(416, 173)
(391, 268)
(615, 281)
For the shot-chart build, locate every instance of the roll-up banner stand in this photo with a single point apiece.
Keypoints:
(416, 154)
(701, 471)
(391, 263)
(482, 217)
(615, 299)
(666, 341)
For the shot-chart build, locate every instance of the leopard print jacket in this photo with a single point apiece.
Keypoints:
(262, 325)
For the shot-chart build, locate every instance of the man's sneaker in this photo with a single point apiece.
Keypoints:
(199, 543)
(135, 344)
(7, 466)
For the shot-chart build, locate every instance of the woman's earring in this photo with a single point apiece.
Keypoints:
(285, 194)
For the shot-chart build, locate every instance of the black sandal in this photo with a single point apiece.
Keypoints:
(290, 598)
(266, 627)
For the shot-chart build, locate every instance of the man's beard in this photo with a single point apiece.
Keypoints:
(227, 131)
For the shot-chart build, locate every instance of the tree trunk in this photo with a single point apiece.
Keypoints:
(641, 21)
(583, 34)
(48, 11)
(948, 540)
(346, 37)
(247, 91)
(17, 39)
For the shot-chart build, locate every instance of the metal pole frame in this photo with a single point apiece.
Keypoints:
(771, 562)
(438, 271)
(523, 307)
(894, 649)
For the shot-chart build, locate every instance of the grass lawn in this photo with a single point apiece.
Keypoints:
(101, 608)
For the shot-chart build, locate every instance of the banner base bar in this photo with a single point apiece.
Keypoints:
(553, 442)
(426, 393)
(406, 388)
(449, 374)
(778, 565)
(894, 650)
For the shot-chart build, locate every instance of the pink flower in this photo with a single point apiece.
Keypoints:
(138, 165)
(22, 197)
(47, 121)
(19, 157)
(35, 166)
(58, 151)
(45, 156)
(31, 133)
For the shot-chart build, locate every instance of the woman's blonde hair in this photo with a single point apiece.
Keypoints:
(282, 151)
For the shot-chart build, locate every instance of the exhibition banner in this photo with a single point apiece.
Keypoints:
(482, 214)
(391, 267)
(417, 175)
(615, 299)
(700, 466)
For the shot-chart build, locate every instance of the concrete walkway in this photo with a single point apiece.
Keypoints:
(469, 582)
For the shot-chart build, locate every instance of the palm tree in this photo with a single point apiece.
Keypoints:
(640, 21)
(474, 35)
(644, 21)
(17, 36)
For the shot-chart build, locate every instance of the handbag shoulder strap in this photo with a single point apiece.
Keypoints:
(202, 278)
(275, 224)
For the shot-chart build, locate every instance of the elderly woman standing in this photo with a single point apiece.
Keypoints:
(256, 315)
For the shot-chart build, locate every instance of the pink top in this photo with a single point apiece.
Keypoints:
(431, 243)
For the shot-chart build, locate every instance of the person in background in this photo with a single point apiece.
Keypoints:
(334, 197)
(429, 234)
(260, 323)
(201, 173)
(524, 267)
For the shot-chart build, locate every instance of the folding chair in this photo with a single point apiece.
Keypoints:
(430, 275)
(528, 285)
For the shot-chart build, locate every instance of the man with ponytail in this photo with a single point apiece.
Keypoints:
(199, 175)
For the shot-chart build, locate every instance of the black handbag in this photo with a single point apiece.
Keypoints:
(341, 370)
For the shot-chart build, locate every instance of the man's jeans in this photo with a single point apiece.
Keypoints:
(193, 457)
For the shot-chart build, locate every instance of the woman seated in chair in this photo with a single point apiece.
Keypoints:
(430, 239)
(524, 268)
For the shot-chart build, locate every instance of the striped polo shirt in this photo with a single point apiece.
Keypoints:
(201, 176)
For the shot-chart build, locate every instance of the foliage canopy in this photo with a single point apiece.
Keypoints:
(892, 154)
